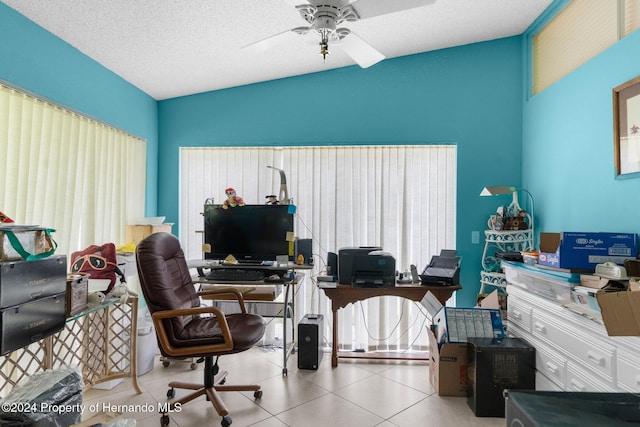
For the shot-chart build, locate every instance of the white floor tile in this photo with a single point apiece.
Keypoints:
(356, 393)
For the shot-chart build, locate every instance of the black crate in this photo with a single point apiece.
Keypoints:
(27, 323)
(496, 365)
(24, 281)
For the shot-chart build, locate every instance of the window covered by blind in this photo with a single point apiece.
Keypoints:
(399, 197)
(62, 170)
(631, 16)
(579, 32)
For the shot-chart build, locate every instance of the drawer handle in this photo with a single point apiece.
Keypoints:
(540, 328)
(577, 386)
(595, 358)
(516, 315)
(552, 368)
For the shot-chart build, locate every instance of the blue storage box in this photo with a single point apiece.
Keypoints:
(583, 251)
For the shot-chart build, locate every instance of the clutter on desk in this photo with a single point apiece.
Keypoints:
(443, 269)
(50, 398)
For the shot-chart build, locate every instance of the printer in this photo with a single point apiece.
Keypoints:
(444, 269)
(367, 267)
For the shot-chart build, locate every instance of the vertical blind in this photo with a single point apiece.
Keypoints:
(399, 197)
(62, 170)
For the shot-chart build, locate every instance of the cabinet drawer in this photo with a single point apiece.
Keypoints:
(579, 380)
(545, 384)
(551, 365)
(628, 375)
(594, 354)
(520, 315)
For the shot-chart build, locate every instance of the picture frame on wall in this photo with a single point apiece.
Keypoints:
(626, 128)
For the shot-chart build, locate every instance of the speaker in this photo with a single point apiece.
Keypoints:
(304, 247)
(310, 333)
(332, 265)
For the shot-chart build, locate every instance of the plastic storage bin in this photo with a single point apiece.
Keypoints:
(552, 285)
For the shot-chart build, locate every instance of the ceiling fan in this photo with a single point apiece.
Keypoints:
(324, 17)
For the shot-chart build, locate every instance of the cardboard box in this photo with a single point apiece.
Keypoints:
(621, 311)
(448, 366)
(457, 324)
(583, 251)
(135, 233)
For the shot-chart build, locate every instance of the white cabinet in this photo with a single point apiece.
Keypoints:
(573, 353)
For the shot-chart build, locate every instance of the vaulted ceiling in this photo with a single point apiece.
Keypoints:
(170, 48)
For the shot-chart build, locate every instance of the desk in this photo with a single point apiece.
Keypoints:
(341, 295)
(288, 311)
(101, 341)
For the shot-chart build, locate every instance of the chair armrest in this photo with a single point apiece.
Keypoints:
(208, 293)
(173, 351)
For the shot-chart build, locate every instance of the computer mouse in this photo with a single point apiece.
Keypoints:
(274, 277)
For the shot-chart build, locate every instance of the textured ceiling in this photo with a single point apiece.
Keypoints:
(171, 48)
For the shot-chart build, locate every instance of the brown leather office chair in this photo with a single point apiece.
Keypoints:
(184, 328)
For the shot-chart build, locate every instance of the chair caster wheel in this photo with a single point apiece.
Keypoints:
(222, 381)
(257, 394)
(164, 420)
(165, 363)
(226, 421)
(194, 366)
(171, 393)
(284, 371)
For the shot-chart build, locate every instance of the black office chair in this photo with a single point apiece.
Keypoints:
(186, 329)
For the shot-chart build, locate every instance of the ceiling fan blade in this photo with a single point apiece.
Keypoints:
(370, 8)
(360, 51)
(273, 41)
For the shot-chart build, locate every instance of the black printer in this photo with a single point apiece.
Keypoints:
(444, 269)
(366, 267)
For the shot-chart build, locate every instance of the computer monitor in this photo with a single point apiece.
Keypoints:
(251, 233)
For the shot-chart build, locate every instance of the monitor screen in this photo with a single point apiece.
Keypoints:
(251, 233)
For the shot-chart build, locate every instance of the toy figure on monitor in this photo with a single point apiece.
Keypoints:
(232, 199)
(272, 200)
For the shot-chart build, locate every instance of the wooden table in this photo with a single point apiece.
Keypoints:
(341, 295)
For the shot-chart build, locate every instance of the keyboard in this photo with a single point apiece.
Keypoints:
(235, 275)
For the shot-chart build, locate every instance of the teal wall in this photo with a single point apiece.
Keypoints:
(469, 95)
(568, 148)
(37, 61)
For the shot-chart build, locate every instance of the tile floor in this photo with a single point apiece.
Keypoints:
(360, 394)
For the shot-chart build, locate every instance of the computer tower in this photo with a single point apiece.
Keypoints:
(310, 333)
(496, 365)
